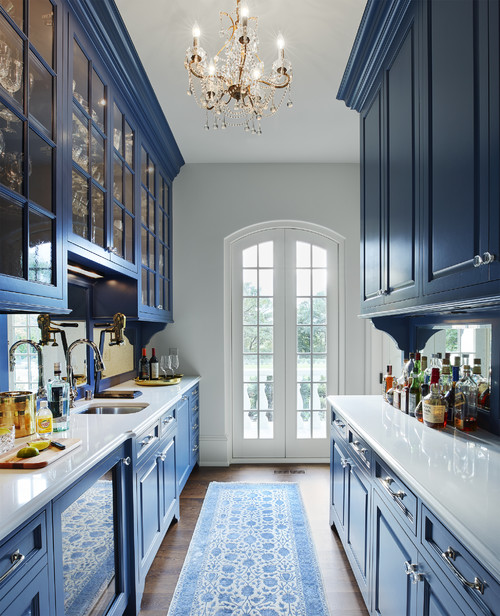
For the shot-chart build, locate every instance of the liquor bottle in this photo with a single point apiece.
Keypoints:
(44, 421)
(387, 382)
(434, 410)
(423, 369)
(466, 416)
(414, 394)
(452, 397)
(144, 366)
(154, 367)
(58, 400)
(445, 380)
(482, 384)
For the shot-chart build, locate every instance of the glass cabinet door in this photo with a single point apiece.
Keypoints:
(155, 236)
(89, 543)
(89, 139)
(28, 144)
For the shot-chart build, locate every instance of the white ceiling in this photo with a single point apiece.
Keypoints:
(319, 35)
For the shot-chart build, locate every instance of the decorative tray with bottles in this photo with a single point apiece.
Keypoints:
(161, 382)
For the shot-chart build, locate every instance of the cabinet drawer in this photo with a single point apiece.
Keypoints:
(359, 450)
(339, 425)
(22, 551)
(168, 420)
(462, 569)
(147, 440)
(401, 499)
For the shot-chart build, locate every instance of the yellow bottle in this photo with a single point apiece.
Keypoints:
(44, 420)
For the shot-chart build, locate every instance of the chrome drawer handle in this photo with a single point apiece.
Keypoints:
(16, 559)
(340, 423)
(412, 570)
(356, 445)
(387, 485)
(146, 440)
(195, 408)
(195, 392)
(195, 448)
(168, 419)
(195, 427)
(450, 555)
(127, 461)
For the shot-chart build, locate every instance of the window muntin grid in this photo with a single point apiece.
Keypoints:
(311, 340)
(258, 341)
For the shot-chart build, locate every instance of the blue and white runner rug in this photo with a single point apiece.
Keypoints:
(251, 555)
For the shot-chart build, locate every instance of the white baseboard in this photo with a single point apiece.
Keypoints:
(214, 451)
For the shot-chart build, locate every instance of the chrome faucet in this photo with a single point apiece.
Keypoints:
(98, 365)
(12, 362)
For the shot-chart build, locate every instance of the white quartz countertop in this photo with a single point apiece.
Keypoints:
(456, 475)
(24, 492)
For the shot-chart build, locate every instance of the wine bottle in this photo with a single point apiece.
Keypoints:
(144, 366)
(154, 366)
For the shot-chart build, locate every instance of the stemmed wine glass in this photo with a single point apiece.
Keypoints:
(174, 359)
(165, 365)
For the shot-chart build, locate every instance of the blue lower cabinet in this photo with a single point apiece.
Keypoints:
(32, 598)
(358, 527)
(169, 501)
(338, 487)
(183, 449)
(91, 540)
(394, 559)
(433, 598)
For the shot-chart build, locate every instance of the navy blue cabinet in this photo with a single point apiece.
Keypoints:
(424, 77)
(32, 254)
(187, 450)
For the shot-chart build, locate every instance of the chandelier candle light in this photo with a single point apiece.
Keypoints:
(232, 84)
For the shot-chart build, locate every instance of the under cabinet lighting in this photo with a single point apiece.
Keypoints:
(76, 269)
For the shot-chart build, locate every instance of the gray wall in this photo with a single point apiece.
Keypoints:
(212, 201)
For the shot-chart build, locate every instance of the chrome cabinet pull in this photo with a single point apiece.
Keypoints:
(195, 427)
(16, 559)
(161, 456)
(486, 259)
(356, 445)
(387, 485)
(195, 448)
(412, 570)
(451, 555)
(146, 440)
(167, 420)
(127, 461)
(340, 423)
(345, 462)
(195, 408)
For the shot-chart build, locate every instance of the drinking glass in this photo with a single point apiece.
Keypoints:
(174, 359)
(165, 365)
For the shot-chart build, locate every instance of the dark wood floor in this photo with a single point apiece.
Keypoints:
(344, 598)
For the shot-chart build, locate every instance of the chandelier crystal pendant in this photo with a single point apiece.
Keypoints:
(233, 85)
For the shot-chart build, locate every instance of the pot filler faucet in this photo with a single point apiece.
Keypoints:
(12, 362)
(98, 365)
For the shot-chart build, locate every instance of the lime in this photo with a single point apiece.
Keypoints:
(40, 445)
(4, 431)
(28, 452)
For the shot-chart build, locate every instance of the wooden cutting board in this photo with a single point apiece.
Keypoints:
(47, 456)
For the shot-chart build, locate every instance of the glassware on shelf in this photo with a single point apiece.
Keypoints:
(165, 365)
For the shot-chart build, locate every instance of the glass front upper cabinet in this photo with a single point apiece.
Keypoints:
(30, 261)
(155, 289)
(103, 177)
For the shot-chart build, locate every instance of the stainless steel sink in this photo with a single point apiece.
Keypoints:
(115, 409)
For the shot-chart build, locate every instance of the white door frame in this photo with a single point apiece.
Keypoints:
(228, 363)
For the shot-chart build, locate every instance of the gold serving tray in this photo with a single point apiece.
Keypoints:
(159, 382)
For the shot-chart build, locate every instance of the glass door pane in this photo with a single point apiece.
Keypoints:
(89, 550)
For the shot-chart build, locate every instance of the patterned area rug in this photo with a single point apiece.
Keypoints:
(251, 555)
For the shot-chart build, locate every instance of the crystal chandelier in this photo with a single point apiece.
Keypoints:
(232, 85)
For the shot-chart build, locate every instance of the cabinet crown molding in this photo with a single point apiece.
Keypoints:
(379, 25)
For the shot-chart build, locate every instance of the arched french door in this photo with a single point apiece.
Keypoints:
(285, 346)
